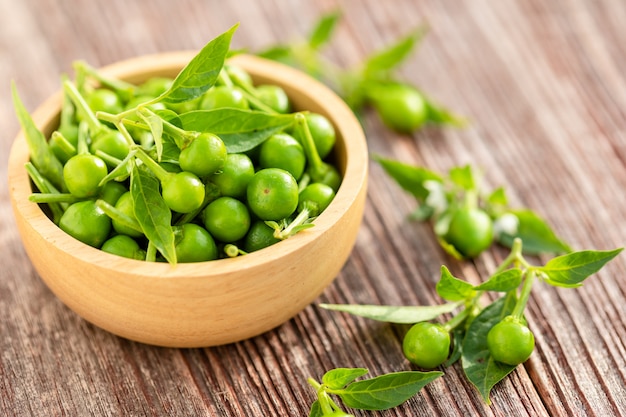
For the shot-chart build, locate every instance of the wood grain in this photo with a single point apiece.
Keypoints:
(543, 85)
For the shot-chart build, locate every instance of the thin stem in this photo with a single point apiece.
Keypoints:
(153, 166)
(250, 94)
(120, 87)
(45, 186)
(514, 256)
(518, 310)
(151, 253)
(455, 321)
(288, 231)
(64, 144)
(119, 124)
(313, 158)
(47, 198)
(118, 215)
(67, 108)
(109, 159)
(82, 106)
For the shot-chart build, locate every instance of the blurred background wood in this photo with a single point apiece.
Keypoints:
(544, 87)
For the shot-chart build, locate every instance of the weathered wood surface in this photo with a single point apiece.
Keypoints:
(544, 86)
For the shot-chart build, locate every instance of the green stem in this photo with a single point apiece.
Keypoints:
(322, 397)
(110, 160)
(67, 109)
(64, 144)
(232, 251)
(518, 310)
(118, 121)
(317, 168)
(457, 320)
(153, 166)
(304, 181)
(288, 231)
(47, 198)
(82, 106)
(122, 88)
(45, 186)
(119, 216)
(471, 199)
(151, 253)
(515, 256)
(224, 79)
(250, 94)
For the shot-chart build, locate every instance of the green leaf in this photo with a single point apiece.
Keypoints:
(394, 314)
(41, 155)
(498, 198)
(170, 152)
(392, 56)
(503, 282)
(152, 213)
(479, 367)
(201, 72)
(439, 114)
(386, 391)
(572, 269)
(457, 346)
(340, 377)
(453, 289)
(280, 53)
(241, 130)
(122, 171)
(316, 410)
(463, 177)
(411, 178)
(155, 122)
(537, 237)
(323, 30)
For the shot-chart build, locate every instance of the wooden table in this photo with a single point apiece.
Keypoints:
(544, 86)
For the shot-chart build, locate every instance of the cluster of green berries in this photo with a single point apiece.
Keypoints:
(222, 203)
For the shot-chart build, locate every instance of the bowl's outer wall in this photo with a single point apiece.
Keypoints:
(211, 303)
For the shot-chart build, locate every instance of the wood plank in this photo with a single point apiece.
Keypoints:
(544, 88)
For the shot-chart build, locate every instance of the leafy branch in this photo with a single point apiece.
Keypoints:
(471, 323)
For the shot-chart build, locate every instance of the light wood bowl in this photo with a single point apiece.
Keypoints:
(208, 303)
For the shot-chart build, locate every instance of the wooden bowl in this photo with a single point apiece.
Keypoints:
(208, 303)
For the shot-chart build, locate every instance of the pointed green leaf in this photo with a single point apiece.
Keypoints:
(316, 410)
(392, 56)
(464, 177)
(41, 155)
(386, 391)
(122, 171)
(152, 213)
(498, 198)
(155, 122)
(201, 72)
(323, 30)
(340, 377)
(572, 269)
(503, 282)
(439, 114)
(394, 314)
(241, 130)
(280, 53)
(453, 289)
(479, 367)
(411, 178)
(537, 237)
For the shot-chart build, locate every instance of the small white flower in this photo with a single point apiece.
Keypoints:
(436, 198)
(506, 223)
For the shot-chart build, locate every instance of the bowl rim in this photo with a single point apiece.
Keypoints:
(354, 175)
